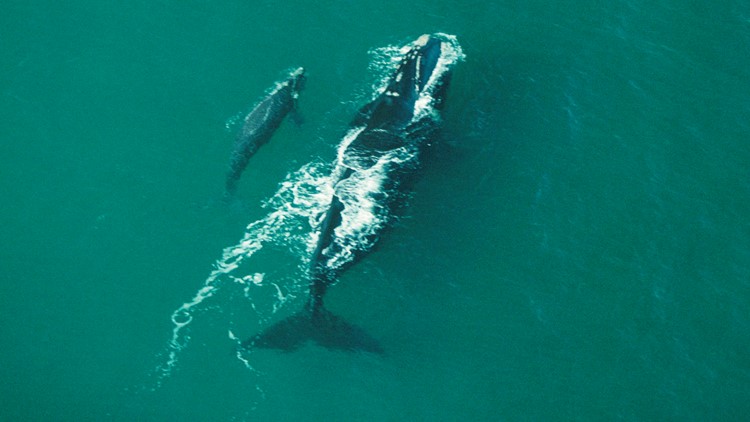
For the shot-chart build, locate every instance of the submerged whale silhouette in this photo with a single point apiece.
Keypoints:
(375, 159)
(260, 124)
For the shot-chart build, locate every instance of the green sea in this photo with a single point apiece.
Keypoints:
(577, 246)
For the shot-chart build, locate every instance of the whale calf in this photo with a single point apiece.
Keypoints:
(375, 160)
(260, 124)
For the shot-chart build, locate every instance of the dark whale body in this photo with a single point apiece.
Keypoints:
(261, 123)
(375, 160)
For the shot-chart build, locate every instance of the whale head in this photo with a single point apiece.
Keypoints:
(419, 82)
(296, 81)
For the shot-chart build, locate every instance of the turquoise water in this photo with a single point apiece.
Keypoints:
(577, 247)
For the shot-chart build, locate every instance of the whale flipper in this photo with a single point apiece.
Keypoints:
(297, 118)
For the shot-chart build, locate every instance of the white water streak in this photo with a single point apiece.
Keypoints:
(298, 200)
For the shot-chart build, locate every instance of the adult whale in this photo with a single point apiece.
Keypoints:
(374, 162)
(261, 123)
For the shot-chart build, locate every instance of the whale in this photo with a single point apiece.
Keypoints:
(260, 124)
(370, 180)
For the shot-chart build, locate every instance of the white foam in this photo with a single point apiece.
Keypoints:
(365, 212)
(297, 201)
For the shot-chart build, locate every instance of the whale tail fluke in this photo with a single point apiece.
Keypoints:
(321, 327)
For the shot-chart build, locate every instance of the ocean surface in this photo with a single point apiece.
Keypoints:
(577, 246)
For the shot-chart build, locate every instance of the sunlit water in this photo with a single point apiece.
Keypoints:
(576, 247)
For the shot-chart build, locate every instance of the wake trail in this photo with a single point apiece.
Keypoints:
(299, 201)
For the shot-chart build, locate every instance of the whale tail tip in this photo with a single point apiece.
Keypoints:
(321, 327)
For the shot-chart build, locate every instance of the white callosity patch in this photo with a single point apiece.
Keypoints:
(385, 61)
(286, 81)
(450, 54)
